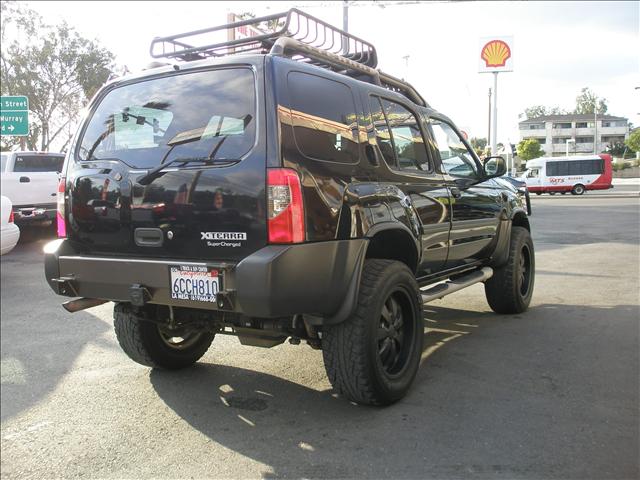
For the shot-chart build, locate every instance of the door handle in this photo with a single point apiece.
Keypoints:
(455, 192)
(25, 179)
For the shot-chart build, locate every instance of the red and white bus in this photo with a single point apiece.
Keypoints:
(569, 174)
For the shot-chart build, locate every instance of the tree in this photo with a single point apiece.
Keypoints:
(633, 142)
(529, 149)
(616, 149)
(537, 111)
(586, 102)
(57, 69)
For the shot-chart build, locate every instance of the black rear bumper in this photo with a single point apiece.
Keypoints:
(278, 280)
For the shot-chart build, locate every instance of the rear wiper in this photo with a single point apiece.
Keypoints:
(154, 173)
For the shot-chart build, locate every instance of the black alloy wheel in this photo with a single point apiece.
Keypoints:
(394, 334)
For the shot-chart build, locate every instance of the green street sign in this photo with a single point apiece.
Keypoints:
(14, 116)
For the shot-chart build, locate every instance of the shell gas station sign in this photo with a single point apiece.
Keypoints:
(495, 54)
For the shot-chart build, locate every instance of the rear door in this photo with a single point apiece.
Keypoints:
(208, 203)
(410, 166)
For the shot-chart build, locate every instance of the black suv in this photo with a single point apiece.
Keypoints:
(278, 186)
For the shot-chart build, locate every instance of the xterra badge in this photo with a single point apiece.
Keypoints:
(223, 239)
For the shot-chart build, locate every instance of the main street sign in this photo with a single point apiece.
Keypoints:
(14, 116)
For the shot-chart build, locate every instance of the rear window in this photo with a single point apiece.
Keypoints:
(324, 120)
(37, 163)
(209, 114)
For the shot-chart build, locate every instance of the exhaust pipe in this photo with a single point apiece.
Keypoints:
(73, 306)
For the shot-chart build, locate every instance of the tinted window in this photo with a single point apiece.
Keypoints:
(408, 144)
(383, 135)
(456, 158)
(323, 113)
(38, 163)
(205, 114)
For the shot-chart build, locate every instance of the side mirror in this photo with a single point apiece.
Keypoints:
(494, 167)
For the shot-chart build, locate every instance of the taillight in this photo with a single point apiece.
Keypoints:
(11, 217)
(62, 227)
(284, 206)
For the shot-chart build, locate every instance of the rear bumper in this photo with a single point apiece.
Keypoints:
(29, 215)
(275, 281)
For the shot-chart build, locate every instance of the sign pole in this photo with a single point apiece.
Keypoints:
(494, 121)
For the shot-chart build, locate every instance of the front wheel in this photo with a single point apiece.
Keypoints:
(510, 288)
(153, 344)
(372, 357)
(578, 189)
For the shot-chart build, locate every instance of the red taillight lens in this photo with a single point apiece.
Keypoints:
(11, 217)
(284, 204)
(62, 227)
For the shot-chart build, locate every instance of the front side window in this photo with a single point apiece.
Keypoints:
(456, 158)
(399, 136)
(207, 115)
(38, 163)
(533, 173)
(323, 113)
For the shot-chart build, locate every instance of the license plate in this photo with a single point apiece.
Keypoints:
(194, 283)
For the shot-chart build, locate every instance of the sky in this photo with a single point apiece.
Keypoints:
(559, 47)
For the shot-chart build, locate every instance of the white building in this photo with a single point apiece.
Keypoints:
(553, 131)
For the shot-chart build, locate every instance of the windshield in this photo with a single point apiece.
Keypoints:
(195, 115)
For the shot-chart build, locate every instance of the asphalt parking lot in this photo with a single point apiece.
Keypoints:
(551, 393)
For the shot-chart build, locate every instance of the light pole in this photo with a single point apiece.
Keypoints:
(406, 67)
(595, 125)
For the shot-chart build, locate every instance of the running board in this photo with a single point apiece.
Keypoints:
(451, 286)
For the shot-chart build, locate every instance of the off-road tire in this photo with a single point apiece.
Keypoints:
(504, 290)
(577, 189)
(351, 350)
(141, 340)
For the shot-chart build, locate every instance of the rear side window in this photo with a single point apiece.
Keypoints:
(38, 163)
(209, 115)
(323, 113)
(398, 135)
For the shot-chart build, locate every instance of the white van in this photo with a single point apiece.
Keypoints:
(569, 174)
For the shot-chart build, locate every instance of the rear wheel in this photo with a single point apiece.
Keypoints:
(578, 189)
(373, 356)
(154, 345)
(510, 288)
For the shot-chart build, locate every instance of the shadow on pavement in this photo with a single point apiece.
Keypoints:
(39, 340)
(464, 416)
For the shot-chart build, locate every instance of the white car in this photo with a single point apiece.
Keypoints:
(10, 231)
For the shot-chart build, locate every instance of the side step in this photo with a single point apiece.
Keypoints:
(451, 286)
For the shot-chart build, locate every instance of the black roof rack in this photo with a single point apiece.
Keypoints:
(293, 33)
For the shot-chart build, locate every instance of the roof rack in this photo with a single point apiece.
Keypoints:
(293, 33)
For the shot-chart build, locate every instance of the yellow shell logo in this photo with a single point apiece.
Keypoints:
(495, 53)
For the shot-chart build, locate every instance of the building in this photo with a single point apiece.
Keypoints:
(553, 131)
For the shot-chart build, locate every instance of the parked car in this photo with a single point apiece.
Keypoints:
(296, 193)
(30, 180)
(10, 231)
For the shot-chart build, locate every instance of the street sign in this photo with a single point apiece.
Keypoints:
(495, 54)
(14, 116)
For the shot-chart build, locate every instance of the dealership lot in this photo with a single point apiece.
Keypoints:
(551, 393)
